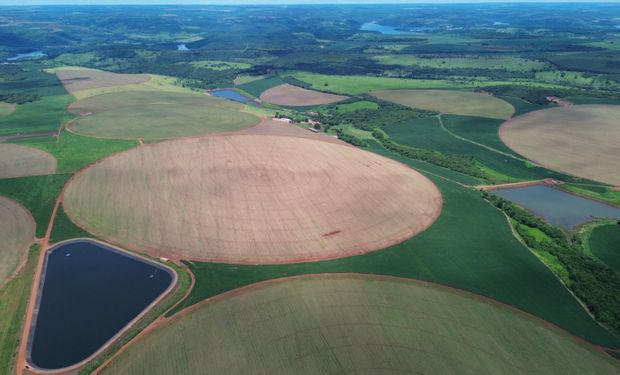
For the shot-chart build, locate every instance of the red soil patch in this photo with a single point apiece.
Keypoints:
(294, 96)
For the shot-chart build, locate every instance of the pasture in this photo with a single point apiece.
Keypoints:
(357, 324)
(6, 108)
(252, 199)
(492, 62)
(579, 140)
(81, 79)
(156, 115)
(605, 245)
(16, 234)
(20, 161)
(293, 96)
(451, 102)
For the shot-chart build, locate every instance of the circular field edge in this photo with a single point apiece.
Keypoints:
(224, 296)
(501, 131)
(34, 151)
(298, 260)
(24, 257)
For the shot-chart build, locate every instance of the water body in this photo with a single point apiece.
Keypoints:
(29, 55)
(389, 30)
(233, 95)
(182, 47)
(558, 207)
(89, 292)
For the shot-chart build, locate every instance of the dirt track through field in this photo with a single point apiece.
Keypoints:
(581, 140)
(289, 95)
(252, 199)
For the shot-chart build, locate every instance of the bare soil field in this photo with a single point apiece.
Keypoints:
(20, 161)
(6, 108)
(581, 140)
(294, 96)
(252, 199)
(273, 126)
(16, 234)
(87, 79)
(156, 115)
(453, 102)
(328, 324)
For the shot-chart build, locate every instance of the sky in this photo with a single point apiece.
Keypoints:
(244, 2)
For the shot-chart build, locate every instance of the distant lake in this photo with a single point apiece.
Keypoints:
(182, 47)
(88, 293)
(29, 55)
(233, 95)
(558, 207)
(390, 30)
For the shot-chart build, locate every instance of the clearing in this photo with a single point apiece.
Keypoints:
(156, 115)
(357, 324)
(293, 96)
(16, 235)
(252, 199)
(6, 108)
(20, 161)
(463, 103)
(581, 140)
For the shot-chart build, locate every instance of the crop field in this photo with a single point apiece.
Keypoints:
(252, 199)
(81, 79)
(6, 108)
(257, 87)
(579, 140)
(493, 62)
(605, 244)
(289, 95)
(13, 300)
(16, 234)
(450, 102)
(156, 115)
(357, 324)
(20, 161)
(46, 114)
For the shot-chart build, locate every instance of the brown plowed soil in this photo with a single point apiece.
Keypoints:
(294, 96)
(252, 199)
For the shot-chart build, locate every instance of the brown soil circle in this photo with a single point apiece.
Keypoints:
(294, 96)
(252, 199)
(580, 140)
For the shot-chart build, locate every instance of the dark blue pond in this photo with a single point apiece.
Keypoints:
(233, 95)
(29, 55)
(90, 292)
(558, 207)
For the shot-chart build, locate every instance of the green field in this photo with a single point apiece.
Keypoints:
(355, 106)
(355, 85)
(13, 301)
(450, 102)
(357, 324)
(257, 87)
(428, 133)
(479, 129)
(493, 62)
(492, 262)
(37, 193)
(157, 115)
(46, 114)
(73, 151)
(605, 244)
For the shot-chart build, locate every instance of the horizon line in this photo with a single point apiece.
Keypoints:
(291, 2)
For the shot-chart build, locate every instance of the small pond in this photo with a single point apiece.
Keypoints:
(182, 47)
(233, 95)
(29, 55)
(89, 292)
(558, 207)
